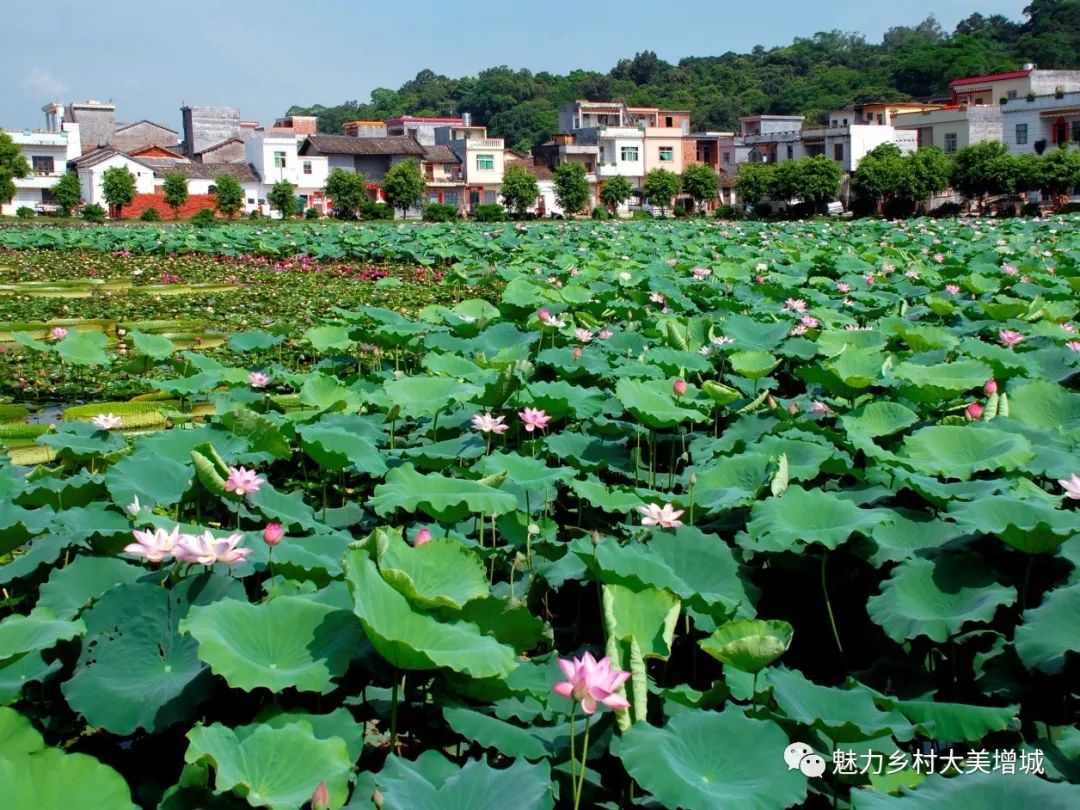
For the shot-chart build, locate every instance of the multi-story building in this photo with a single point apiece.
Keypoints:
(1045, 122)
(771, 142)
(444, 176)
(880, 113)
(482, 161)
(720, 151)
(997, 88)
(953, 127)
(47, 153)
(274, 156)
(422, 129)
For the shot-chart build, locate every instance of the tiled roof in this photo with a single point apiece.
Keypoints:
(539, 171)
(100, 155)
(348, 145)
(122, 127)
(220, 145)
(993, 77)
(440, 154)
(243, 172)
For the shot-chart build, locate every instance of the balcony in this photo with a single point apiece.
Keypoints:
(619, 132)
(485, 143)
(446, 180)
(627, 169)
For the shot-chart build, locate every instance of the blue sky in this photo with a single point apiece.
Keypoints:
(148, 56)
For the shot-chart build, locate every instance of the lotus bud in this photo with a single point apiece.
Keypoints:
(990, 387)
(272, 534)
(533, 530)
(577, 352)
(595, 537)
(422, 536)
(320, 799)
(793, 408)
(543, 315)
(974, 411)
(693, 479)
(377, 796)
(771, 401)
(679, 387)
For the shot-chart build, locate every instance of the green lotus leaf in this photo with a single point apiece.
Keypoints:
(748, 645)
(18, 672)
(329, 338)
(443, 498)
(287, 508)
(410, 639)
(752, 364)
(653, 404)
(288, 641)
(83, 349)
(906, 534)
(987, 791)
(82, 581)
(17, 734)
(1050, 631)
(155, 346)
(153, 478)
(1029, 525)
(879, 419)
(533, 742)
(561, 399)
(1046, 405)
(477, 786)
(253, 340)
(340, 449)
(54, 780)
(960, 451)
(943, 379)
(735, 481)
(937, 597)
(40, 630)
(419, 396)
(721, 394)
(326, 393)
(279, 768)
(957, 721)
(647, 616)
(857, 368)
(339, 723)
(698, 762)
(440, 573)
(802, 517)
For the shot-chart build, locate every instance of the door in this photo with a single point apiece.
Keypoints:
(474, 200)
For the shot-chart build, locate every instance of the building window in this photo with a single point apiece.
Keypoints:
(838, 151)
(790, 151)
(950, 142)
(450, 197)
(668, 122)
(727, 157)
(42, 164)
(667, 153)
(1012, 95)
(978, 101)
(845, 122)
(307, 167)
(279, 160)
(1076, 131)
(250, 200)
(485, 163)
(449, 168)
(490, 197)
(629, 154)
(1021, 133)
(879, 119)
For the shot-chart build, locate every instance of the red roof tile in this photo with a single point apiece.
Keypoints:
(993, 77)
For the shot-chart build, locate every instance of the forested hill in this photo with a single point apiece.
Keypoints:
(810, 76)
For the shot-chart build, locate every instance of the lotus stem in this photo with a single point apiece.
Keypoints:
(1027, 581)
(828, 606)
(581, 775)
(573, 759)
(393, 714)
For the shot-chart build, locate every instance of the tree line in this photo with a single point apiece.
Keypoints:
(826, 71)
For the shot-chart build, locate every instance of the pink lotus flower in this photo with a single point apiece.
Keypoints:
(576, 353)
(543, 315)
(795, 305)
(242, 481)
(258, 379)
(155, 546)
(679, 387)
(869, 277)
(58, 333)
(106, 421)
(843, 287)
(809, 321)
(486, 423)
(320, 799)
(657, 298)
(973, 411)
(605, 334)
(952, 289)
(820, 408)
(534, 418)
(1010, 338)
(939, 257)
(591, 682)
(584, 335)
(1009, 270)
(205, 549)
(134, 507)
(422, 536)
(991, 387)
(701, 273)
(800, 329)
(1074, 345)
(273, 533)
(1071, 485)
(1068, 327)
(666, 516)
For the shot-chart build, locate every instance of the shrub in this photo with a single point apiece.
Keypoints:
(311, 213)
(490, 212)
(679, 212)
(599, 212)
(898, 208)
(1006, 211)
(763, 211)
(730, 212)
(204, 218)
(949, 209)
(93, 213)
(25, 213)
(374, 210)
(1069, 208)
(639, 214)
(440, 212)
(1031, 209)
(254, 214)
(150, 215)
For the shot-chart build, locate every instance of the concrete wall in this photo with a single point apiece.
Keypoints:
(664, 137)
(1039, 116)
(611, 161)
(90, 179)
(207, 126)
(96, 123)
(969, 125)
(143, 134)
(232, 152)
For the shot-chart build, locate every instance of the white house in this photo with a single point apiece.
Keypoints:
(274, 157)
(47, 153)
(92, 166)
(1043, 123)
(954, 127)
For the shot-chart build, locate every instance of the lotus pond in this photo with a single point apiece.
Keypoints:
(671, 515)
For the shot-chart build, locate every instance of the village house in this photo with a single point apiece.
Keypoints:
(482, 160)
(47, 152)
(1034, 125)
(954, 126)
(998, 88)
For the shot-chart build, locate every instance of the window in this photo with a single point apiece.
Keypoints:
(668, 122)
(262, 202)
(838, 151)
(879, 119)
(845, 122)
(279, 160)
(250, 200)
(307, 167)
(42, 164)
(450, 168)
(667, 153)
(950, 142)
(790, 151)
(1076, 131)
(490, 197)
(979, 101)
(629, 154)
(1012, 95)
(450, 197)
(1021, 133)
(727, 157)
(485, 163)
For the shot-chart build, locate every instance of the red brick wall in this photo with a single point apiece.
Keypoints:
(194, 204)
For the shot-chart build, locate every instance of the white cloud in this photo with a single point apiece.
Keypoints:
(44, 83)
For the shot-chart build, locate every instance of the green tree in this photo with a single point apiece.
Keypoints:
(755, 181)
(660, 187)
(571, 187)
(519, 189)
(13, 166)
(118, 187)
(1060, 171)
(67, 193)
(228, 195)
(615, 192)
(812, 179)
(403, 185)
(348, 191)
(1028, 172)
(931, 171)
(983, 168)
(701, 183)
(282, 198)
(882, 174)
(175, 192)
